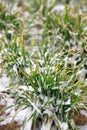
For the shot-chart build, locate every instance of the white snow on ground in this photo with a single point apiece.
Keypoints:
(21, 115)
(47, 126)
(4, 82)
(83, 127)
(83, 112)
(59, 9)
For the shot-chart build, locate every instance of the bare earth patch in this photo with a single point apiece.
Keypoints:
(80, 119)
(1, 110)
(12, 126)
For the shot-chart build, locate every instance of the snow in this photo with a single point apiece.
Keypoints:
(46, 126)
(59, 9)
(83, 112)
(4, 82)
(64, 126)
(83, 127)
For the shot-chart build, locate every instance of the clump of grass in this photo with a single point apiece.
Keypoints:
(49, 71)
(55, 92)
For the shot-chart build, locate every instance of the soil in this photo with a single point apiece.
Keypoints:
(12, 126)
(1, 110)
(80, 120)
